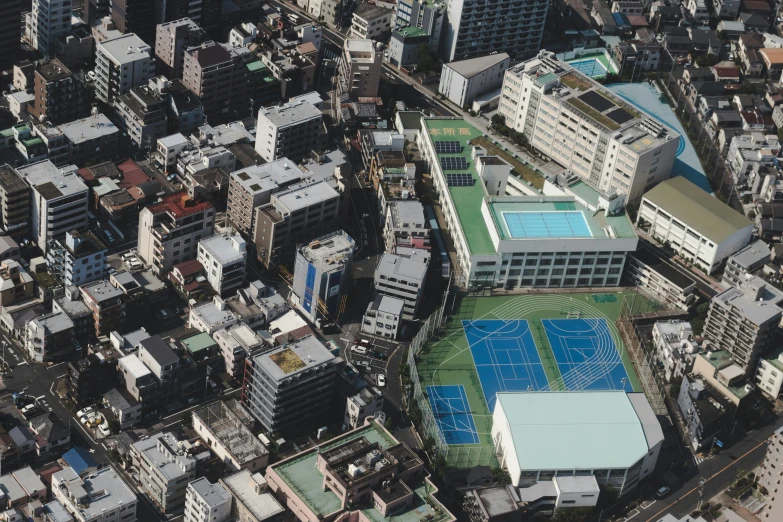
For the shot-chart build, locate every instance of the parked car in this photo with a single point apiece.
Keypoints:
(662, 491)
(85, 411)
(104, 429)
(28, 410)
(363, 364)
(381, 380)
(88, 419)
(361, 350)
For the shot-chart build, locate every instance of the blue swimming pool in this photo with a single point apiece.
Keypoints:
(590, 67)
(546, 224)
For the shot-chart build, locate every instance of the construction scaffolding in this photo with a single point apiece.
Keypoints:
(226, 422)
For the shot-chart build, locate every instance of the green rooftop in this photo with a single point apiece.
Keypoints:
(255, 66)
(585, 191)
(199, 342)
(302, 476)
(31, 142)
(7, 133)
(411, 30)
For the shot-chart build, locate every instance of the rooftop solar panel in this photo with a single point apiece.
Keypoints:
(453, 163)
(448, 147)
(596, 101)
(460, 180)
(620, 116)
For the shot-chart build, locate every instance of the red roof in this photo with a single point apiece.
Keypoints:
(188, 268)
(132, 174)
(180, 205)
(727, 71)
(637, 21)
(756, 6)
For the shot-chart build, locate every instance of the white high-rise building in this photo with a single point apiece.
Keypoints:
(475, 28)
(121, 64)
(48, 20)
(206, 502)
(583, 126)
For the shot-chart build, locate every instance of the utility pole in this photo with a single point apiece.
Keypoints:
(206, 381)
(701, 492)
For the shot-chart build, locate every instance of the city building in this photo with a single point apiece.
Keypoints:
(526, 425)
(404, 226)
(371, 22)
(14, 203)
(10, 30)
(383, 317)
(59, 95)
(770, 473)
(156, 354)
(402, 278)
(80, 259)
(252, 502)
(48, 20)
(253, 186)
(71, 305)
(237, 342)
(664, 282)
(171, 41)
(49, 337)
(291, 387)
(94, 138)
(746, 262)
(769, 374)
(322, 276)
(290, 130)
(165, 469)
(107, 305)
(675, 348)
(473, 30)
(386, 478)
(99, 497)
(135, 16)
(696, 225)
(206, 502)
(142, 113)
(121, 63)
(360, 69)
(88, 377)
(139, 382)
(211, 316)
(366, 403)
(602, 139)
(59, 201)
(743, 320)
(16, 284)
(299, 213)
(224, 258)
(169, 231)
(207, 13)
(223, 425)
(705, 412)
(464, 81)
(125, 408)
(416, 22)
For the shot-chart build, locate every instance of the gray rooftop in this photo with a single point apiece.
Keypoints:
(269, 176)
(159, 350)
(10, 180)
(473, 66)
(290, 113)
(125, 49)
(212, 494)
(294, 358)
(211, 314)
(56, 512)
(106, 490)
(330, 251)
(755, 299)
(89, 128)
(102, 291)
(408, 212)
(390, 305)
(13, 491)
(227, 134)
(325, 170)
(241, 485)
(29, 480)
(224, 248)
(134, 366)
(394, 265)
(52, 182)
(54, 323)
(752, 254)
(304, 195)
(119, 398)
(167, 461)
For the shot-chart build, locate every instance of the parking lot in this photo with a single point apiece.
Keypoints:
(370, 356)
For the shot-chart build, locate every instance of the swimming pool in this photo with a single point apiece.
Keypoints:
(591, 67)
(546, 224)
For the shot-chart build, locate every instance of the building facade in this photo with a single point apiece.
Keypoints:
(464, 81)
(171, 40)
(360, 69)
(59, 94)
(48, 20)
(14, 203)
(120, 64)
(206, 502)
(290, 131)
(224, 258)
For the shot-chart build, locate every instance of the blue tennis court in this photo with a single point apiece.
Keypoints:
(452, 413)
(546, 224)
(505, 356)
(586, 354)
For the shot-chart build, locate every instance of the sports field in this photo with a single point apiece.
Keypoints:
(525, 342)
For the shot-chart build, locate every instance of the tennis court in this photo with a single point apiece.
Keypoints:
(586, 354)
(546, 224)
(505, 356)
(452, 414)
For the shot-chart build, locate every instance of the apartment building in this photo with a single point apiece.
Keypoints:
(48, 337)
(156, 354)
(747, 261)
(405, 226)
(364, 404)
(9, 30)
(224, 427)
(207, 502)
(59, 95)
(171, 41)
(252, 502)
(751, 149)
(666, 283)
(416, 22)
(101, 496)
(291, 130)
(14, 203)
(297, 214)
(360, 69)
(79, 259)
(743, 320)
(253, 186)
(371, 22)
(402, 278)
(464, 81)
(474, 29)
(16, 284)
(769, 374)
(59, 201)
(94, 138)
(602, 139)
(121, 63)
(48, 20)
(290, 388)
(107, 305)
(224, 258)
(322, 276)
(675, 348)
(169, 231)
(696, 225)
(142, 113)
(206, 13)
(770, 476)
(704, 410)
(139, 382)
(165, 469)
(383, 316)
(135, 16)
(237, 342)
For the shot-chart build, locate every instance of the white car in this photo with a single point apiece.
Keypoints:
(85, 411)
(104, 429)
(361, 350)
(88, 419)
(381, 379)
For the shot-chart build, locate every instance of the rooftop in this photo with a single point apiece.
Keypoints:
(395, 265)
(290, 113)
(198, 342)
(125, 49)
(134, 366)
(101, 291)
(294, 358)
(473, 66)
(330, 251)
(229, 430)
(180, 205)
(755, 299)
(241, 485)
(269, 176)
(212, 314)
(212, 494)
(52, 182)
(224, 248)
(105, 490)
(159, 350)
(698, 209)
(10, 181)
(303, 195)
(166, 457)
(753, 254)
(551, 430)
(53, 70)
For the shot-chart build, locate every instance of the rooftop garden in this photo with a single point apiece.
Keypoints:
(594, 114)
(521, 169)
(574, 81)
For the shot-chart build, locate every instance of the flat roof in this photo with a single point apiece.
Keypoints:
(759, 309)
(106, 489)
(304, 195)
(393, 264)
(756, 252)
(225, 248)
(212, 494)
(290, 113)
(669, 273)
(89, 128)
(126, 48)
(263, 506)
(269, 176)
(293, 358)
(575, 430)
(699, 210)
(52, 182)
(134, 366)
(198, 342)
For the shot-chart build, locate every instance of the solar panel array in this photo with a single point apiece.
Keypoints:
(460, 180)
(453, 163)
(448, 147)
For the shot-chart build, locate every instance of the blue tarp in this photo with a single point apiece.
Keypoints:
(621, 20)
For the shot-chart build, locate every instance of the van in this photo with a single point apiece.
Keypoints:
(27, 410)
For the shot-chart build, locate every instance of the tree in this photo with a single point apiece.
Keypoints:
(391, 103)
(428, 62)
(571, 515)
(502, 476)
(114, 426)
(697, 322)
(498, 120)
(706, 60)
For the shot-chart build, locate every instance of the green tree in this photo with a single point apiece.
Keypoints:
(697, 322)
(706, 60)
(428, 61)
(498, 120)
(571, 515)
